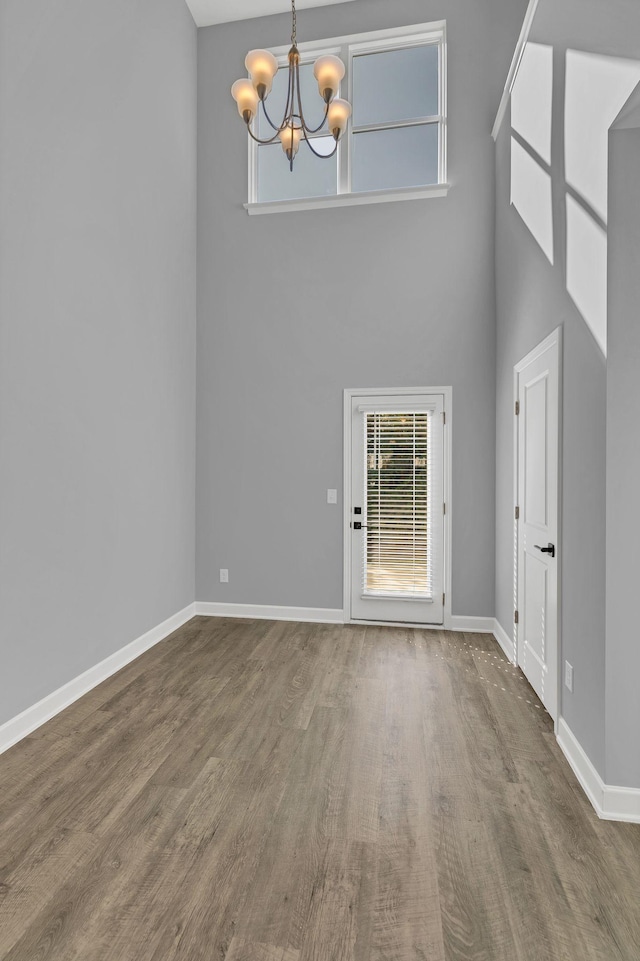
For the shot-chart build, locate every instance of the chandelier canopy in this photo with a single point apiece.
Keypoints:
(262, 67)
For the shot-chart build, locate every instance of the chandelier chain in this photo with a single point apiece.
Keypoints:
(294, 23)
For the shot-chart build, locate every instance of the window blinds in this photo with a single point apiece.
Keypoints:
(397, 547)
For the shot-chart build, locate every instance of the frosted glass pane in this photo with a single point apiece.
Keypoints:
(395, 85)
(312, 103)
(311, 176)
(400, 157)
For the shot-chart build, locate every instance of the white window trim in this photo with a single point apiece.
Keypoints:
(347, 47)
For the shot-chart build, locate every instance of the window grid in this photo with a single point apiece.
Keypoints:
(348, 49)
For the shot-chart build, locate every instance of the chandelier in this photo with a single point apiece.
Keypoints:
(262, 67)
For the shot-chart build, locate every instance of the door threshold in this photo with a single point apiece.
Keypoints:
(422, 627)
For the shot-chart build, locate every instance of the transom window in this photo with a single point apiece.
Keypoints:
(395, 147)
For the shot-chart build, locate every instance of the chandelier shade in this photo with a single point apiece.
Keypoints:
(262, 67)
(251, 93)
(338, 117)
(244, 94)
(328, 71)
(290, 139)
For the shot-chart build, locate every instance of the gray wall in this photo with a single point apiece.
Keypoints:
(293, 308)
(623, 458)
(97, 332)
(532, 300)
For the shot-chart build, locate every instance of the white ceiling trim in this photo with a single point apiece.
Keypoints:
(207, 12)
(523, 40)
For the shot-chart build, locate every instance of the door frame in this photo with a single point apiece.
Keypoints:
(386, 392)
(554, 339)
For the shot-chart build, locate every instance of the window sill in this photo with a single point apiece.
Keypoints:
(397, 596)
(349, 200)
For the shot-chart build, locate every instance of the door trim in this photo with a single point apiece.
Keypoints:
(373, 392)
(553, 340)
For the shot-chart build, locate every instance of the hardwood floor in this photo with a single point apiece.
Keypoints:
(266, 791)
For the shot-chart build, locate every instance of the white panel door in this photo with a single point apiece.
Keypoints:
(396, 521)
(538, 428)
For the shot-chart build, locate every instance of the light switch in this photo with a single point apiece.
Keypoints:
(224, 576)
(568, 676)
(332, 496)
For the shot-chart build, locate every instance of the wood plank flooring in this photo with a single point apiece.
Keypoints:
(268, 791)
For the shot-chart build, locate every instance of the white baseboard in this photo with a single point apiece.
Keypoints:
(505, 642)
(590, 781)
(621, 804)
(609, 802)
(25, 723)
(268, 612)
(327, 615)
(471, 625)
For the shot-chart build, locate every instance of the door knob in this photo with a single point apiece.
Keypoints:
(550, 549)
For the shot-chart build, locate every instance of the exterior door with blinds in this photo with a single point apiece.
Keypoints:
(397, 508)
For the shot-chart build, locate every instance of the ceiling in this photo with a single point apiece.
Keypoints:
(207, 12)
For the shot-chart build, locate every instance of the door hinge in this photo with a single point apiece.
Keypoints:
(517, 407)
(515, 617)
(444, 508)
(443, 596)
(517, 513)
(444, 417)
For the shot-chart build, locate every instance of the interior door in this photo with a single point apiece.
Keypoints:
(537, 380)
(397, 508)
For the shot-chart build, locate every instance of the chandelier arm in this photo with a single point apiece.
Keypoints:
(323, 156)
(306, 130)
(301, 114)
(288, 110)
(270, 121)
(288, 107)
(320, 126)
(303, 122)
(258, 140)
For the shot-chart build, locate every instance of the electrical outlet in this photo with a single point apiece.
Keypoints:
(224, 576)
(332, 496)
(568, 676)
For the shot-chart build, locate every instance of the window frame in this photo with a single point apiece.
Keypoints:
(347, 48)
